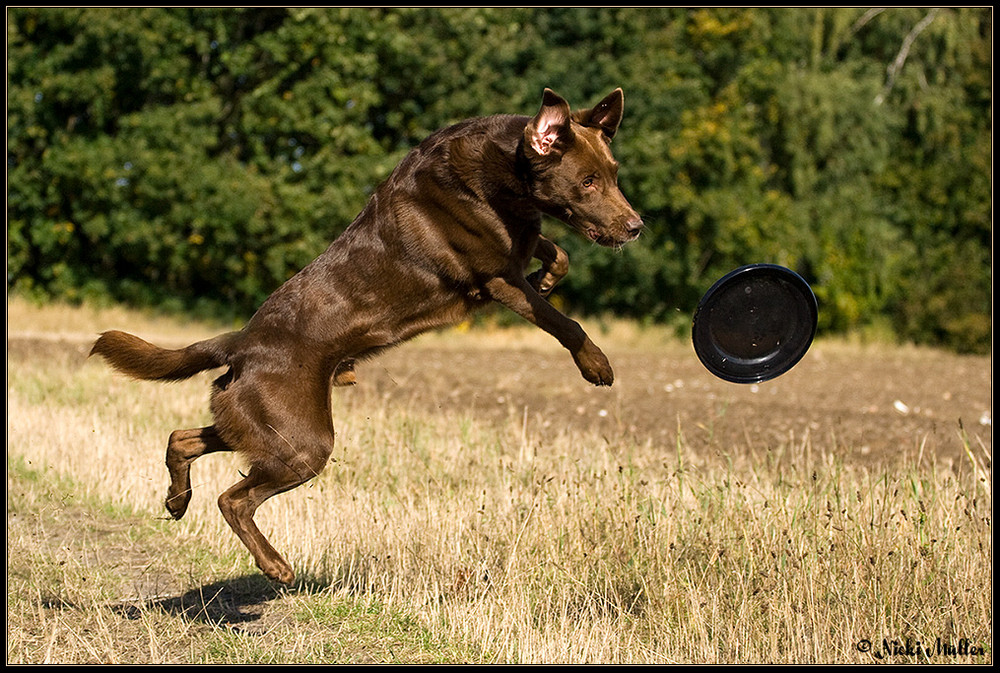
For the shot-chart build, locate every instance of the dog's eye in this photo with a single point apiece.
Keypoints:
(588, 182)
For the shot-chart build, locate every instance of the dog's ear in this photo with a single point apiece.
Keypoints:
(549, 126)
(606, 115)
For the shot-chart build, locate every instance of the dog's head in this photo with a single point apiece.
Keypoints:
(574, 175)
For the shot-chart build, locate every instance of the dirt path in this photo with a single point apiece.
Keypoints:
(863, 404)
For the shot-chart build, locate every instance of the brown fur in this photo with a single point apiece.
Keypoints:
(451, 229)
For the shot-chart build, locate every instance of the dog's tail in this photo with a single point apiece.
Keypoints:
(142, 360)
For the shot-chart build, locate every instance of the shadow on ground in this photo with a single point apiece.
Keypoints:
(230, 602)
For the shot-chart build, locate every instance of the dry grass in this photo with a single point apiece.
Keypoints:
(491, 543)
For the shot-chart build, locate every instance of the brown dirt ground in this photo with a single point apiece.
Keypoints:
(865, 404)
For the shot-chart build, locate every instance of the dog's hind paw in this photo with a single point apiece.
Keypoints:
(177, 504)
(278, 570)
(344, 374)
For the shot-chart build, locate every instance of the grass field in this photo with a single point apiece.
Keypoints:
(503, 511)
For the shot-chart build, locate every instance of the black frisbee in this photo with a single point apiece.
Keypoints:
(755, 323)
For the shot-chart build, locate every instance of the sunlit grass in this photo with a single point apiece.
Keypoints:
(528, 545)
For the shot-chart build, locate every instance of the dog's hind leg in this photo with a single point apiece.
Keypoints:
(238, 505)
(182, 449)
(281, 426)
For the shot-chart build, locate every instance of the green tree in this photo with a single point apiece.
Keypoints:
(193, 157)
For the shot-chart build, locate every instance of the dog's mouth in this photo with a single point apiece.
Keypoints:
(609, 240)
(610, 237)
(598, 237)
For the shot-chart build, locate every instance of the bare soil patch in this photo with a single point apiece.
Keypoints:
(863, 404)
(867, 404)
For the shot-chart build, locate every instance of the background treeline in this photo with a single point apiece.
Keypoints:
(195, 158)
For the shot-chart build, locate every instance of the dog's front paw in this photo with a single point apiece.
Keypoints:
(594, 365)
(542, 282)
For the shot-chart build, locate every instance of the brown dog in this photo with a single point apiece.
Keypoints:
(452, 228)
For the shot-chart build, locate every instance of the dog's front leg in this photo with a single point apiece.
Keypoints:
(555, 265)
(517, 294)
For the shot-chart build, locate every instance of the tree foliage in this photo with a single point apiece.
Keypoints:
(197, 157)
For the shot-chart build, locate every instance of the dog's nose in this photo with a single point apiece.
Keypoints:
(633, 227)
